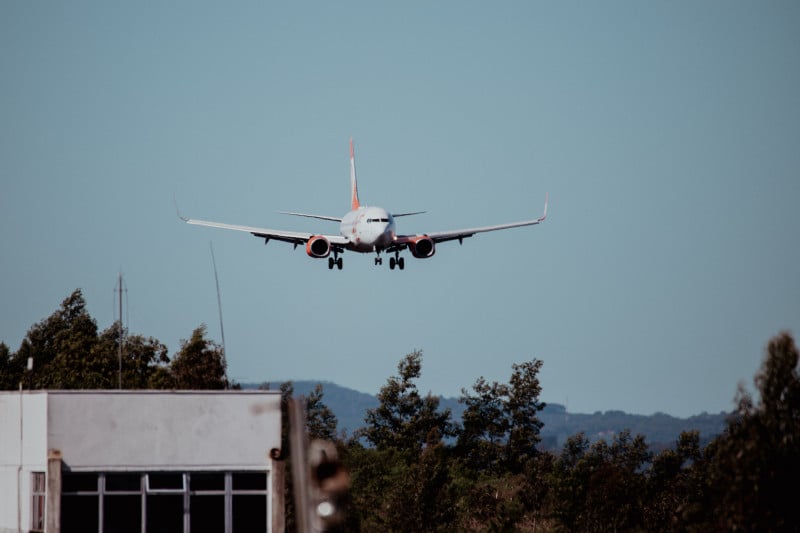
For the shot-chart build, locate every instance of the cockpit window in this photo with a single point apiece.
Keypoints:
(377, 220)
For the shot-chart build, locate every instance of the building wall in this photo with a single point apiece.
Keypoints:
(144, 431)
(110, 430)
(23, 449)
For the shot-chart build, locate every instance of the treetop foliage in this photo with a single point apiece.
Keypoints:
(413, 468)
(69, 352)
(404, 420)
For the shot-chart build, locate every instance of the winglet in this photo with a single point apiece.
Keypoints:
(174, 201)
(544, 215)
(354, 203)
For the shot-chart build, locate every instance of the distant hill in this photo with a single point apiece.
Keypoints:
(661, 430)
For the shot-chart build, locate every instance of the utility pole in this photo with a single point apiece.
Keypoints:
(119, 384)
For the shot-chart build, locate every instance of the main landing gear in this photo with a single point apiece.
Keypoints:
(397, 261)
(335, 261)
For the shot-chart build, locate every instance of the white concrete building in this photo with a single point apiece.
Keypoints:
(140, 461)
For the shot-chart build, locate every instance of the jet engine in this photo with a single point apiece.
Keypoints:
(318, 246)
(422, 247)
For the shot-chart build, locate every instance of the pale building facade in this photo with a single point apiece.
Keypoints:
(140, 462)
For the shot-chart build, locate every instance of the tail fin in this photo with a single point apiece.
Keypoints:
(354, 203)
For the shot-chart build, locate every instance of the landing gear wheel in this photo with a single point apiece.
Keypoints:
(392, 263)
(330, 263)
(339, 263)
(401, 263)
(378, 261)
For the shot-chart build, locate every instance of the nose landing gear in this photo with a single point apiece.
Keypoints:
(395, 261)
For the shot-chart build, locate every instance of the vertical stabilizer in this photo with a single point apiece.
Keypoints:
(354, 203)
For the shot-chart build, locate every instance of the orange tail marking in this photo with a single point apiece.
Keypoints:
(354, 203)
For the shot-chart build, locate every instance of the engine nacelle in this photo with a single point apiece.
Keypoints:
(422, 247)
(318, 246)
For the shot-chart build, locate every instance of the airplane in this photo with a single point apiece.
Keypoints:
(364, 229)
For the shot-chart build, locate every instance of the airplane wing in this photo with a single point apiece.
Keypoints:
(459, 234)
(294, 237)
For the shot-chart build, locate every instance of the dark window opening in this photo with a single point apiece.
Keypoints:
(164, 513)
(80, 514)
(207, 513)
(249, 513)
(122, 513)
(79, 483)
(250, 481)
(155, 502)
(207, 482)
(165, 481)
(123, 482)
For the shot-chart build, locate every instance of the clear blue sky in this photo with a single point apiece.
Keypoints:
(667, 134)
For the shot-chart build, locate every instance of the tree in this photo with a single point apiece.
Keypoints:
(68, 353)
(757, 460)
(616, 483)
(522, 407)
(11, 371)
(199, 364)
(61, 346)
(320, 421)
(485, 426)
(145, 363)
(569, 482)
(500, 425)
(402, 482)
(600, 487)
(404, 420)
(671, 482)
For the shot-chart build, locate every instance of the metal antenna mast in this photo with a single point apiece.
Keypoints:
(219, 307)
(121, 333)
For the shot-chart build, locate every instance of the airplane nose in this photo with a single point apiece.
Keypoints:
(386, 235)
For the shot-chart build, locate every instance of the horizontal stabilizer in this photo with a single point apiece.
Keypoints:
(308, 215)
(408, 214)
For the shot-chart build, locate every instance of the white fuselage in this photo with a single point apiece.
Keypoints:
(369, 229)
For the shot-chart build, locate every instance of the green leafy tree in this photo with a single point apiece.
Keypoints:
(500, 426)
(320, 421)
(616, 483)
(422, 500)
(199, 364)
(757, 460)
(145, 363)
(569, 484)
(485, 426)
(390, 494)
(376, 479)
(68, 353)
(402, 482)
(522, 407)
(62, 345)
(11, 369)
(404, 420)
(600, 486)
(671, 482)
